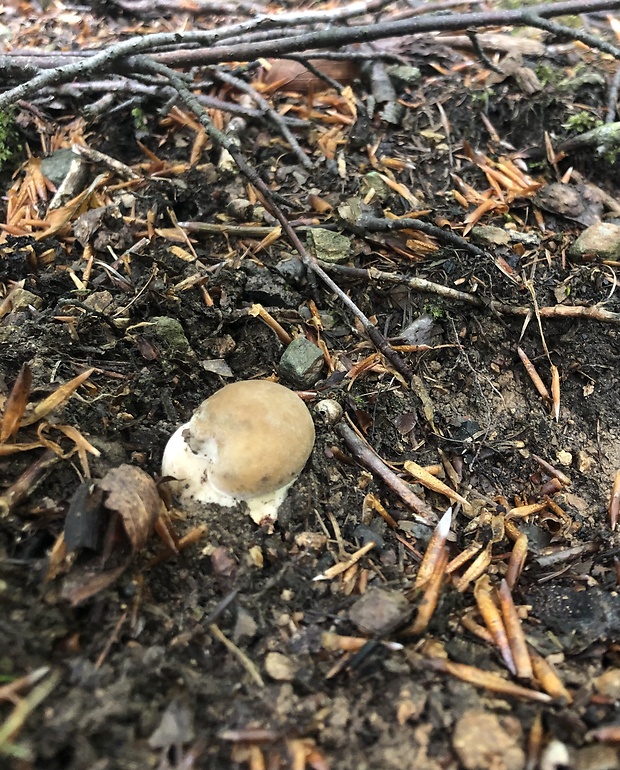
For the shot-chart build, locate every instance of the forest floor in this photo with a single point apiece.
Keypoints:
(230, 654)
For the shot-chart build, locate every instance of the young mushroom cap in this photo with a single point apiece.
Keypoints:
(247, 442)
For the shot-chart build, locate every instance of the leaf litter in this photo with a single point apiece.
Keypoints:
(229, 644)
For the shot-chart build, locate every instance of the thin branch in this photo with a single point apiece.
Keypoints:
(534, 19)
(331, 37)
(554, 312)
(363, 452)
(368, 224)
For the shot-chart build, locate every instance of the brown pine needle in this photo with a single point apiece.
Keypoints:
(487, 679)
(430, 482)
(533, 374)
(514, 630)
(555, 391)
(493, 620)
(434, 550)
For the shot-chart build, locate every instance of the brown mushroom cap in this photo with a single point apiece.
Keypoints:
(256, 434)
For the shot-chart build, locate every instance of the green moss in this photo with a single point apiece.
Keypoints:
(581, 122)
(435, 311)
(139, 119)
(9, 144)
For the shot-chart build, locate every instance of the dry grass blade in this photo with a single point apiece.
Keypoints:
(54, 400)
(18, 716)
(239, 654)
(343, 566)
(16, 404)
(10, 691)
(614, 502)
(12, 449)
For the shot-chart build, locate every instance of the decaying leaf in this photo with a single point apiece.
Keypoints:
(130, 495)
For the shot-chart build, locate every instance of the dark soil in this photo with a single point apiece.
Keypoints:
(146, 645)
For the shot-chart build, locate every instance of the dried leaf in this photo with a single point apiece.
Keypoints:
(133, 494)
(83, 583)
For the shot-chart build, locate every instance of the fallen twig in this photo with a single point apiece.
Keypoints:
(559, 312)
(368, 457)
(334, 36)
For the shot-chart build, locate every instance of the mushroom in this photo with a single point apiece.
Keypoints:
(248, 442)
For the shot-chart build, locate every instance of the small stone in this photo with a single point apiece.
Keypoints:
(482, 743)
(596, 757)
(486, 235)
(240, 209)
(379, 611)
(280, 667)
(328, 246)
(609, 683)
(245, 627)
(99, 301)
(403, 74)
(584, 461)
(564, 457)
(374, 181)
(555, 756)
(170, 332)
(313, 541)
(56, 166)
(601, 241)
(21, 299)
(365, 534)
(301, 363)
(292, 270)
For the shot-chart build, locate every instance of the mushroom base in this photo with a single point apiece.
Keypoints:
(190, 474)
